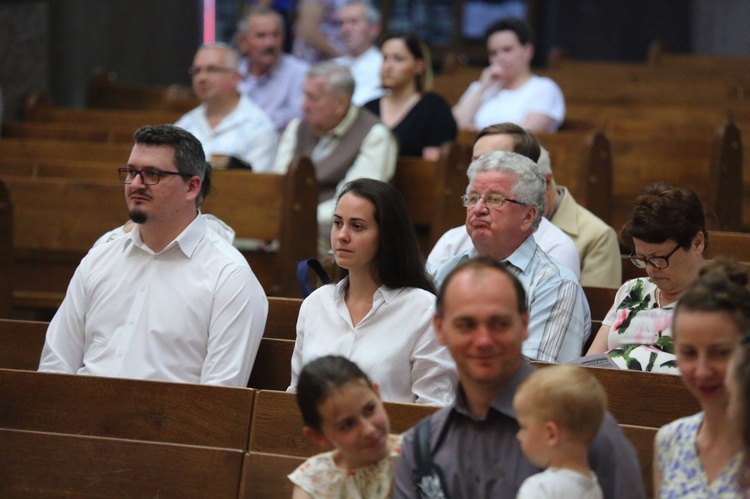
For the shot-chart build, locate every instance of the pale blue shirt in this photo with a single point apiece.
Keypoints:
(559, 315)
(278, 92)
(246, 133)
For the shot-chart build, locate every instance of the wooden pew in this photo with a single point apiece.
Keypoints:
(21, 343)
(273, 365)
(639, 398)
(49, 242)
(642, 439)
(105, 92)
(277, 423)
(264, 476)
(432, 191)
(126, 408)
(582, 162)
(37, 107)
(37, 464)
(282, 318)
(25, 149)
(6, 252)
(734, 245)
(600, 301)
(271, 207)
(69, 131)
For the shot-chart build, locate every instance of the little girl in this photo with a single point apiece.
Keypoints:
(341, 408)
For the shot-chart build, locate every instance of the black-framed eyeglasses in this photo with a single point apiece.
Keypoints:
(657, 262)
(149, 176)
(492, 200)
(195, 70)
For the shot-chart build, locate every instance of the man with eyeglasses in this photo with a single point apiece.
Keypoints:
(555, 242)
(504, 204)
(169, 301)
(229, 125)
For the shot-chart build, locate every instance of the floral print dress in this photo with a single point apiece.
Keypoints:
(321, 478)
(640, 333)
(680, 466)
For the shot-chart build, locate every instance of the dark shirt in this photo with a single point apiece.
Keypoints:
(482, 458)
(429, 123)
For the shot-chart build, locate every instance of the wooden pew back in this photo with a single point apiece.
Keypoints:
(6, 252)
(432, 191)
(105, 92)
(277, 423)
(125, 408)
(638, 398)
(37, 464)
(265, 475)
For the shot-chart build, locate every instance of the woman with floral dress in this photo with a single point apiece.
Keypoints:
(701, 455)
(667, 230)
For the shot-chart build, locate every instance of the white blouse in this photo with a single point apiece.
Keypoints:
(394, 344)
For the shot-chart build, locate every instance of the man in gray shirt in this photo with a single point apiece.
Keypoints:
(482, 318)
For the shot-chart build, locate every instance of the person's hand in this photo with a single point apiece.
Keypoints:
(492, 75)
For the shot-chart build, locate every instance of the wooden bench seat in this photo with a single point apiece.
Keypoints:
(104, 91)
(125, 408)
(38, 464)
(70, 131)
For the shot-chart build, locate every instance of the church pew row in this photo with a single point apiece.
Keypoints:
(432, 191)
(49, 242)
(635, 397)
(581, 161)
(38, 464)
(37, 108)
(104, 91)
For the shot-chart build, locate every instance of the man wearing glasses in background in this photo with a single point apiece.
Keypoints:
(170, 300)
(229, 125)
(504, 205)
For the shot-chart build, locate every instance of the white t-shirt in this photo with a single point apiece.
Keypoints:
(557, 483)
(548, 236)
(366, 72)
(538, 95)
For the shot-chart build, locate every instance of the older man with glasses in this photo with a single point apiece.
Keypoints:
(231, 127)
(504, 205)
(171, 300)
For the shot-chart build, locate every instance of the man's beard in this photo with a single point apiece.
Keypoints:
(138, 217)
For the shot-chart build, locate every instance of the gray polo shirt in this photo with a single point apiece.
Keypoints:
(481, 458)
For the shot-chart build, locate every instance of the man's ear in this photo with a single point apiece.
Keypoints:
(194, 184)
(316, 437)
(528, 219)
(376, 389)
(437, 324)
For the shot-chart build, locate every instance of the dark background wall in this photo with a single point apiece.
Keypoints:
(55, 46)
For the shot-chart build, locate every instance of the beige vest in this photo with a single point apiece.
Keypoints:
(332, 169)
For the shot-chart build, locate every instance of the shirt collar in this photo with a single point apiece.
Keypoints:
(522, 256)
(343, 127)
(565, 215)
(386, 293)
(187, 241)
(503, 401)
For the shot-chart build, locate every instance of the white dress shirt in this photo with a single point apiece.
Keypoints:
(394, 344)
(548, 236)
(376, 159)
(247, 133)
(192, 313)
(366, 72)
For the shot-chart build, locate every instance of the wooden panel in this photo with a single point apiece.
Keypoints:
(264, 476)
(273, 365)
(35, 464)
(126, 408)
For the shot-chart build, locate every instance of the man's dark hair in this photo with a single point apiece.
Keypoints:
(525, 143)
